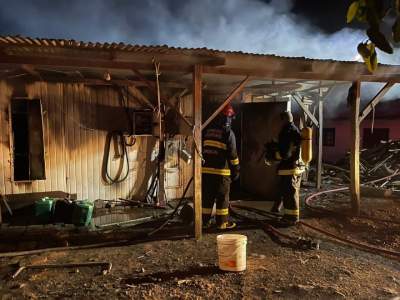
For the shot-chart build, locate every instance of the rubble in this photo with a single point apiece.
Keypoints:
(376, 162)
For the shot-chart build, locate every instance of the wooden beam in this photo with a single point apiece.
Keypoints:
(231, 96)
(354, 101)
(305, 109)
(85, 63)
(378, 97)
(329, 86)
(320, 138)
(197, 112)
(102, 82)
(348, 74)
(322, 71)
(31, 70)
(151, 85)
(137, 94)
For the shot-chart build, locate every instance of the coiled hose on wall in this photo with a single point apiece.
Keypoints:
(121, 151)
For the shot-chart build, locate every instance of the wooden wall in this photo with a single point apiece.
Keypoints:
(76, 121)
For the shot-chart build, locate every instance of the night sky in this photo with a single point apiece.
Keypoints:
(328, 15)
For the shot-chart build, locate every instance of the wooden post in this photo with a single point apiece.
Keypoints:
(197, 107)
(354, 101)
(320, 138)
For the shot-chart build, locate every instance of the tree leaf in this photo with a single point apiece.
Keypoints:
(379, 40)
(363, 50)
(368, 53)
(362, 11)
(352, 11)
(396, 30)
(373, 61)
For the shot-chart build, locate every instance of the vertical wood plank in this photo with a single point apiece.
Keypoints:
(100, 144)
(47, 116)
(197, 112)
(84, 143)
(31, 91)
(96, 149)
(71, 141)
(3, 141)
(91, 149)
(60, 145)
(355, 147)
(320, 138)
(66, 128)
(77, 142)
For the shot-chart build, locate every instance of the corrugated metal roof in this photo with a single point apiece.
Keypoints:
(151, 49)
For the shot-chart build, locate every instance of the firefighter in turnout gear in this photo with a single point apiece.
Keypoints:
(290, 168)
(221, 165)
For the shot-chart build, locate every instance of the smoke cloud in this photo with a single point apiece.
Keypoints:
(245, 25)
(242, 25)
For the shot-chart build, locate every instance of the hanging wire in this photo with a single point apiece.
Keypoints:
(373, 119)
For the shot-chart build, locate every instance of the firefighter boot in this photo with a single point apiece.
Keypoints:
(276, 208)
(227, 225)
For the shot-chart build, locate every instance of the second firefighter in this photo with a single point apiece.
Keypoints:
(290, 168)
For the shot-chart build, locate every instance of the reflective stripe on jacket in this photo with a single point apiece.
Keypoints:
(219, 151)
(289, 144)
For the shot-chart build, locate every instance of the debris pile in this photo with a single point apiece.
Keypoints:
(376, 162)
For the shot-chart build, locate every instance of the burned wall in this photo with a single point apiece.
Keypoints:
(76, 121)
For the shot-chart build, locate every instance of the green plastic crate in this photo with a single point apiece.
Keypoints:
(82, 213)
(44, 209)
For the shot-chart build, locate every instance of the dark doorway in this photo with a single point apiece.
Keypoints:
(372, 139)
(27, 139)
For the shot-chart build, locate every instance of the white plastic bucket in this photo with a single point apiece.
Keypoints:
(232, 252)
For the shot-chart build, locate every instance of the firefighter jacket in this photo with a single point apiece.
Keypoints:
(220, 153)
(288, 154)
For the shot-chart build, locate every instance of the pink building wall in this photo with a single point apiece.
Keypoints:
(343, 135)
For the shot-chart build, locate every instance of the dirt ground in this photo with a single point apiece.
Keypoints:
(187, 269)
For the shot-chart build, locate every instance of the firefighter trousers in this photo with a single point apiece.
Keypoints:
(289, 195)
(215, 188)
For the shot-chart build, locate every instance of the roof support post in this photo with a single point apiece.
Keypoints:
(232, 95)
(354, 101)
(378, 97)
(197, 112)
(320, 137)
(305, 109)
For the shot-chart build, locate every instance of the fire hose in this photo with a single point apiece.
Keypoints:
(283, 239)
(375, 250)
(308, 200)
(120, 145)
(308, 244)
